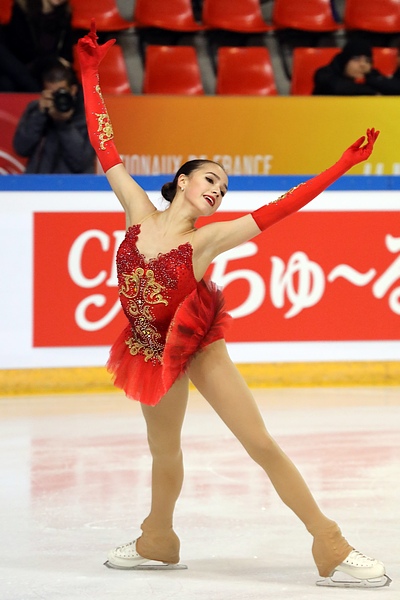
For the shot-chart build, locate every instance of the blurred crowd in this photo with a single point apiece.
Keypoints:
(38, 31)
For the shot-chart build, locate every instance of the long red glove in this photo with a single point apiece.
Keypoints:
(100, 130)
(299, 196)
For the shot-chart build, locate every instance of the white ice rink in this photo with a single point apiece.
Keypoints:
(75, 483)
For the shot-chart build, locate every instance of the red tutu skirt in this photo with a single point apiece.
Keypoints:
(199, 320)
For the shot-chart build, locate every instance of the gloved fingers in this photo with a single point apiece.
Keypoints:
(358, 143)
(372, 135)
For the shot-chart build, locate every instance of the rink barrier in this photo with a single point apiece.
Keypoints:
(291, 374)
(19, 382)
(93, 183)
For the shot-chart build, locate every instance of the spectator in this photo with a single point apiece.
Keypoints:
(351, 73)
(14, 75)
(52, 131)
(39, 29)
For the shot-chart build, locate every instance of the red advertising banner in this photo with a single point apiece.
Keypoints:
(327, 276)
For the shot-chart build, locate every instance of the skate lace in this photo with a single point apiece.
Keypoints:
(127, 550)
(356, 555)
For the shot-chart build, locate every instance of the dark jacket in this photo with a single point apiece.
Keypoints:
(54, 147)
(35, 35)
(330, 81)
(14, 75)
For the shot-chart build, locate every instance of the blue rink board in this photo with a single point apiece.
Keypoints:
(155, 182)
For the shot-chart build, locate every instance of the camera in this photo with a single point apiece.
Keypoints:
(63, 100)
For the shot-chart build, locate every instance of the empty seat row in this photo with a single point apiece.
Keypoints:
(175, 70)
(241, 15)
(240, 71)
(319, 15)
(238, 15)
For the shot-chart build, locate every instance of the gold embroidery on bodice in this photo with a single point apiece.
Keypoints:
(143, 291)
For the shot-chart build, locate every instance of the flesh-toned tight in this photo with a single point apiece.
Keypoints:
(217, 379)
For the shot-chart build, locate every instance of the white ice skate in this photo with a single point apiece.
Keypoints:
(126, 557)
(357, 570)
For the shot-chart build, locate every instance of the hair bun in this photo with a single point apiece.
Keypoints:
(168, 191)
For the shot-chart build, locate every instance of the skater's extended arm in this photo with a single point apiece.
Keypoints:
(223, 236)
(299, 196)
(132, 197)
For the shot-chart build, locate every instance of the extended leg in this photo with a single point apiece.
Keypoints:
(215, 376)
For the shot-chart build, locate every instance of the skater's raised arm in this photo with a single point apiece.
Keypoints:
(228, 234)
(133, 198)
(299, 196)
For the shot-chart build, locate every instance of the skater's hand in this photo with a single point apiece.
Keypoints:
(357, 152)
(89, 52)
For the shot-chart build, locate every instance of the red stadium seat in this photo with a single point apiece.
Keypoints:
(245, 71)
(381, 16)
(6, 7)
(112, 72)
(307, 15)
(173, 15)
(307, 60)
(385, 60)
(105, 12)
(234, 15)
(172, 70)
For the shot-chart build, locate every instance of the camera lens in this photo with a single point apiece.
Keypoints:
(63, 100)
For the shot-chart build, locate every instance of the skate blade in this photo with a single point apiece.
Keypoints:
(148, 566)
(339, 579)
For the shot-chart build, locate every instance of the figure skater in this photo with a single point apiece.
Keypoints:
(176, 334)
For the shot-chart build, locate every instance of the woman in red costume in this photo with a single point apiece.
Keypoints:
(176, 334)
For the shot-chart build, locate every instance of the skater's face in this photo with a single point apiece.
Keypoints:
(205, 187)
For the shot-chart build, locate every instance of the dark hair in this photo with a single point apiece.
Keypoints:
(352, 49)
(34, 8)
(168, 190)
(54, 70)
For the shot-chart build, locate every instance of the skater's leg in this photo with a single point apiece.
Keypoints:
(218, 380)
(164, 424)
(226, 391)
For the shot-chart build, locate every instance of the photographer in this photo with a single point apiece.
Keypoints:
(52, 131)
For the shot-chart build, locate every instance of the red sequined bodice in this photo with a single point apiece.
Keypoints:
(151, 291)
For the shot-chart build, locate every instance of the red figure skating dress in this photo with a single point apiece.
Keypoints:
(171, 317)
